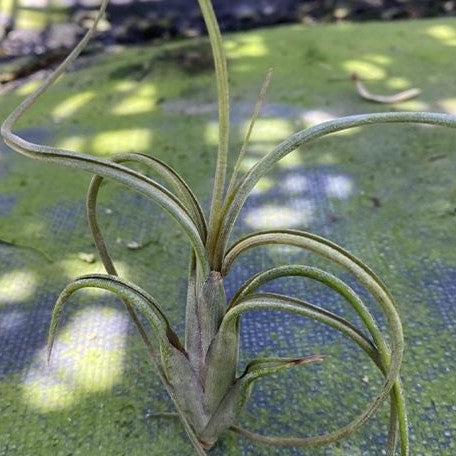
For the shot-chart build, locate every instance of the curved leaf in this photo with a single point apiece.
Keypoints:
(173, 366)
(162, 169)
(126, 290)
(327, 279)
(124, 175)
(268, 301)
(358, 305)
(233, 205)
(364, 275)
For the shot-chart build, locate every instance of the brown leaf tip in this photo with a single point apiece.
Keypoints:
(309, 359)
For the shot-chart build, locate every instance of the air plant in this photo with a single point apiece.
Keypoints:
(200, 373)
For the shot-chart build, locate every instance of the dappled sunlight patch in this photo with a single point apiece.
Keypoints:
(73, 142)
(36, 19)
(364, 69)
(292, 160)
(298, 196)
(125, 85)
(72, 104)
(415, 105)
(98, 370)
(7, 6)
(263, 186)
(48, 397)
(17, 286)
(272, 216)
(27, 89)
(122, 140)
(134, 104)
(315, 116)
(11, 320)
(211, 133)
(248, 162)
(327, 158)
(338, 186)
(34, 229)
(398, 83)
(379, 59)
(141, 101)
(295, 183)
(448, 105)
(251, 45)
(73, 266)
(272, 130)
(88, 357)
(444, 33)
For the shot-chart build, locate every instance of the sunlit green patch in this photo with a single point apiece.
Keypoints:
(78, 369)
(444, 33)
(17, 286)
(72, 104)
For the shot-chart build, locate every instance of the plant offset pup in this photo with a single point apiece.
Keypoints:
(200, 374)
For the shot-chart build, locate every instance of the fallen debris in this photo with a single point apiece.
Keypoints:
(384, 99)
(86, 257)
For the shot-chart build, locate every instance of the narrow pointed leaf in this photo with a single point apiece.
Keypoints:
(237, 396)
(177, 183)
(221, 75)
(123, 289)
(123, 175)
(327, 279)
(256, 112)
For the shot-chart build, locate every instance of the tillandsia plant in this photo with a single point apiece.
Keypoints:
(200, 373)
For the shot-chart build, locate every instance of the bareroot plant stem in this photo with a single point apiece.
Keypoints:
(200, 374)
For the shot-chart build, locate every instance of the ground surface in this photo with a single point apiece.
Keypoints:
(34, 26)
(386, 193)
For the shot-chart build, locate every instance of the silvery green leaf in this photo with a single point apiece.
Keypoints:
(171, 355)
(235, 399)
